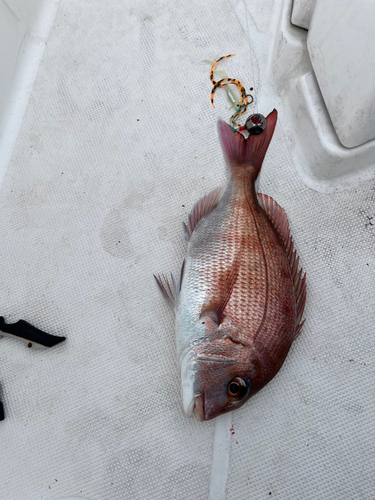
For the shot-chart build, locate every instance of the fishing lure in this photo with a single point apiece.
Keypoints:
(226, 81)
(232, 98)
(214, 65)
(235, 115)
(241, 108)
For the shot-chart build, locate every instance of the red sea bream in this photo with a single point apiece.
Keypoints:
(240, 297)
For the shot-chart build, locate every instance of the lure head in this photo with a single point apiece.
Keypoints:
(255, 124)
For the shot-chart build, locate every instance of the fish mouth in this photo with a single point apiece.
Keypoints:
(191, 393)
(191, 397)
(189, 408)
(199, 406)
(187, 383)
(196, 404)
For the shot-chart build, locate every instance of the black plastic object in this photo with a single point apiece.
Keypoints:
(2, 414)
(24, 330)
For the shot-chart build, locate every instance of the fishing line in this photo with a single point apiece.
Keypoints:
(256, 92)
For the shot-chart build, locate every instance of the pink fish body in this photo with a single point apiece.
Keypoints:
(240, 297)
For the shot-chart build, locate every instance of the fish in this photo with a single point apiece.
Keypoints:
(240, 296)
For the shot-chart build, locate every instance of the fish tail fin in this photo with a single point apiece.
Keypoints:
(241, 153)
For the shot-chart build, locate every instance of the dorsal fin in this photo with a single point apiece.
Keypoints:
(278, 217)
(202, 208)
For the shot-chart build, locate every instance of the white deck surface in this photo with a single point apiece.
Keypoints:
(118, 141)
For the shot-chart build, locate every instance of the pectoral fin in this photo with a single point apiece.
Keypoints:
(221, 293)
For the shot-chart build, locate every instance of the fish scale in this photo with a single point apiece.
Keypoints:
(253, 301)
(240, 297)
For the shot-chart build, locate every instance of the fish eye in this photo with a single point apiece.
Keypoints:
(237, 388)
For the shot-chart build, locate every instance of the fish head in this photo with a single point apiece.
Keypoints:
(216, 382)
